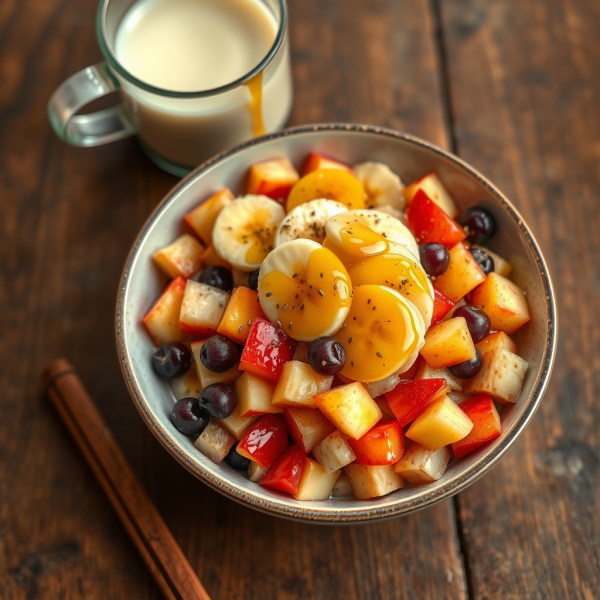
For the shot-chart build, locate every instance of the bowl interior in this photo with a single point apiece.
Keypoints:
(411, 159)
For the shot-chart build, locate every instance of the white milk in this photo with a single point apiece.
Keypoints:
(198, 45)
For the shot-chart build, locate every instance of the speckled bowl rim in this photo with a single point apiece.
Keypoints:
(402, 507)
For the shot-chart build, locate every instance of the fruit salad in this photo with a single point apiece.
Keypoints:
(335, 332)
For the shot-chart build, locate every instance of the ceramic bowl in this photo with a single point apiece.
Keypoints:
(411, 158)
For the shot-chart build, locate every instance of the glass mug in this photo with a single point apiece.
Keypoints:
(177, 130)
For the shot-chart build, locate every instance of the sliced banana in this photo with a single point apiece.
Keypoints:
(381, 184)
(308, 221)
(244, 232)
(305, 289)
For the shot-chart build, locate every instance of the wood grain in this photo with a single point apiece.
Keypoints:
(67, 218)
(524, 91)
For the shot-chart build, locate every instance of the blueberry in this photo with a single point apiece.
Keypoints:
(172, 360)
(468, 368)
(478, 223)
(218, 277)
(435, 258)
(483, 259)
(188, 417)
(326, 356)
(236, 461)
(478, 322)
(253, 280)
(218, 400)
(218, 353)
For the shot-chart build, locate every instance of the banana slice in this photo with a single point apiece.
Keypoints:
(244, 232)
(382, 332)
(308, 221)
(381, 184)
(305, 289)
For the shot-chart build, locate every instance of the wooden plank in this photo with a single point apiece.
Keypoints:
(68, 217)
(524, 89)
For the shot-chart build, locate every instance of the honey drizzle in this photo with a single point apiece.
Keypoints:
(254, 86)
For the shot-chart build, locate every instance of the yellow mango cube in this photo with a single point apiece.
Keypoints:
(243, 307)
(181, 258)
(372, 481)
(315, 483)
(448, 343)
(440, 424)
(496, 340)
(202, 218)
(462, 275)
(298, 383)
(254, 395)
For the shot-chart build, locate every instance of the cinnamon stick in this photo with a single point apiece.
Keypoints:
(155, 543)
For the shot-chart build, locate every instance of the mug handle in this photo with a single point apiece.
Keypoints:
(72, 95)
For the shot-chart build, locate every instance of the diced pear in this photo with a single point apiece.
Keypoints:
(427, 372)
(188, 386)
(202, 308)
(181, 258)
(501, 265)
(208, 377)
(315, 483)
(298, 383)
(496, 340)
(448, 343)
(254, 395)
(255, 471)
(372, 481)
(162, 320)
(462, 275)
(215, 442)
(334, 452)
(440, 424)
(458, 397)
(307, 426)
(342, 487)
(501, 376)
(236, 424)
(378, 388)
(420, 465)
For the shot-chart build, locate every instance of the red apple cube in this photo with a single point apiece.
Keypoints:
(442, 305)
(264, 441)
(267, 349)
(285, 473)
(181, 258)
(429, 223)
(435, 190)
(381, 445)
(317, 161)
(201, 309)
(162, 320)
(307, 426)
(272, 178)
(410, 398)
(486, 424)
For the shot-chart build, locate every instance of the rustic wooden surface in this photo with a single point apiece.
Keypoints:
(513, 88)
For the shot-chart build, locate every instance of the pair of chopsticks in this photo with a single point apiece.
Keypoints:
(153, 540)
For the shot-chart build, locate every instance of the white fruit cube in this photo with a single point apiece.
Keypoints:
(342, 487)
(435, 190)
(315, 483)
(254, 395)
(501, 265)
(298, 383)
(448, 343)
(420, 465)
(501, 376)
(378, 388)
(462, 275)
(202, 308)
(208, 377)
(255, 471)
(181, 258)
(425, 371)
(236, 424)
(188, 386)
(349, 408)
(334, 452)
(162, 320)
(370, 481)
(440, 424)
(215, 442)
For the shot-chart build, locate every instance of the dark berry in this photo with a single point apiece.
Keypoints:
(467, 369)
(188, 417)
(326, 356)
(218, 400)
(219, 277)
(483, 259)
(171, 360)
(478, 322)
(253, 280)
(435, 258)
(236, 461)
(478, 223)
(219, 353)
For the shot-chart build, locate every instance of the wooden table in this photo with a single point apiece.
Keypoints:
(513, 88)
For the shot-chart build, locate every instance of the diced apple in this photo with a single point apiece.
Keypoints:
(301, 352)
(240, 278)
(272, 178)
(298, 384)
(427, 372)
(264, 441)
(435, 189)
(215, 442)
(441, 306)
(238, 425)
(504, 303)
(440, 424)
(501, 265)
(182, 258)
(383, 444)
(202, 218)
(499, 339)
(240, 311)
(486, 424)
(210, 258)
(334, 452)
(372, 481)
(501, 376)
(419, 465)
(315, 483)
(350, 408)
(378, 388)
(162, 320)
(410, 398)
(285, 473)
(318, 161)
(201, 309)
(208, 377)
(254, 395)
(342, 487)
(448, 343)
(462, 275)
(307, 426)
(255, 471)
(188, 386)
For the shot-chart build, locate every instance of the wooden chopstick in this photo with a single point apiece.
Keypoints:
(157, 547)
